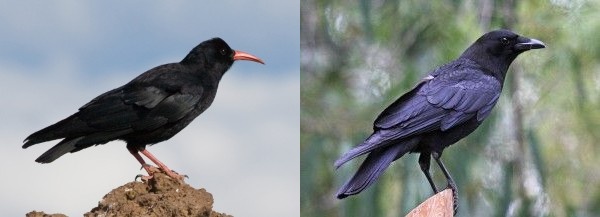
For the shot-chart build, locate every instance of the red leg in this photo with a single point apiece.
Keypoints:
(149, 168)
(160, 165)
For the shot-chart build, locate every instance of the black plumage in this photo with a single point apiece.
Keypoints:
(150, 109)
(447, 105)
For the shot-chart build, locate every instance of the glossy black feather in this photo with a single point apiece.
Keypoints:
(151, 108)
(449, 104)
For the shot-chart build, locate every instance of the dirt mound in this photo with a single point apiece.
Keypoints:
(161, 196)
(42, 214)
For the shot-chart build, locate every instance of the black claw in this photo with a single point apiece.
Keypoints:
(186, 176)
(138, 176)
(452, 187)
(455, 197)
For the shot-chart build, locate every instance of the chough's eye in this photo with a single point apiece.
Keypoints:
(504, 40)
(223, 52)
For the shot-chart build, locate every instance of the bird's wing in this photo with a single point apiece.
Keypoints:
(118, 108)
(139, 108)
(463, 94)
(169, 110)
(449, 96)
(440, 102)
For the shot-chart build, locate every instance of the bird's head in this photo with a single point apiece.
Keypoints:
(215, 54)
(499, 48)
(507, 43)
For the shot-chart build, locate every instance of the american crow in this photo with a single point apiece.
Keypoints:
(444, 107)
(150, 109)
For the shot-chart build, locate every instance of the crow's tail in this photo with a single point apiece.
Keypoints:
(373, 142)
(373, 166)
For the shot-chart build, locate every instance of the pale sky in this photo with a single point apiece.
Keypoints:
(56, 56)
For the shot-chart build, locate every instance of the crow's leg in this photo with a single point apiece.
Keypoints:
(451, 183)
(424, 160)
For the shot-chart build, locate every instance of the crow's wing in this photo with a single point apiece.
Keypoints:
(465, 95)
(442, 102)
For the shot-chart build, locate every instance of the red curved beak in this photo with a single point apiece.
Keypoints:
(239, 55)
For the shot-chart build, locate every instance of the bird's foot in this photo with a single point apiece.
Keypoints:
(143, 178)
(452, 186)
(174, 175)
(152, 170)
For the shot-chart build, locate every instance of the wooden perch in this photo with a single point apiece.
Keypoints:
(438, 205)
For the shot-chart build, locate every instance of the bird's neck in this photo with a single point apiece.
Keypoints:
(495, 66)
(206, 71)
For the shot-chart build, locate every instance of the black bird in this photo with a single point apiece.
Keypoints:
(444, 107)
(150, 109)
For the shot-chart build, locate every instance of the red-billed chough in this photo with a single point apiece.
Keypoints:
(150, 109)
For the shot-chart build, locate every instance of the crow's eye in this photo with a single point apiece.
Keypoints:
(504, 40)
(223, 52)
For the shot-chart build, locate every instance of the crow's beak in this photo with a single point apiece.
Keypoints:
(528, 44)
(239, 55)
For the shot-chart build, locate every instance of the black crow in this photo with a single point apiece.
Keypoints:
(150, 109)
(447, 105)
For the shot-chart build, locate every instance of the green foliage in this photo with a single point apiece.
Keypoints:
(535, 156)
